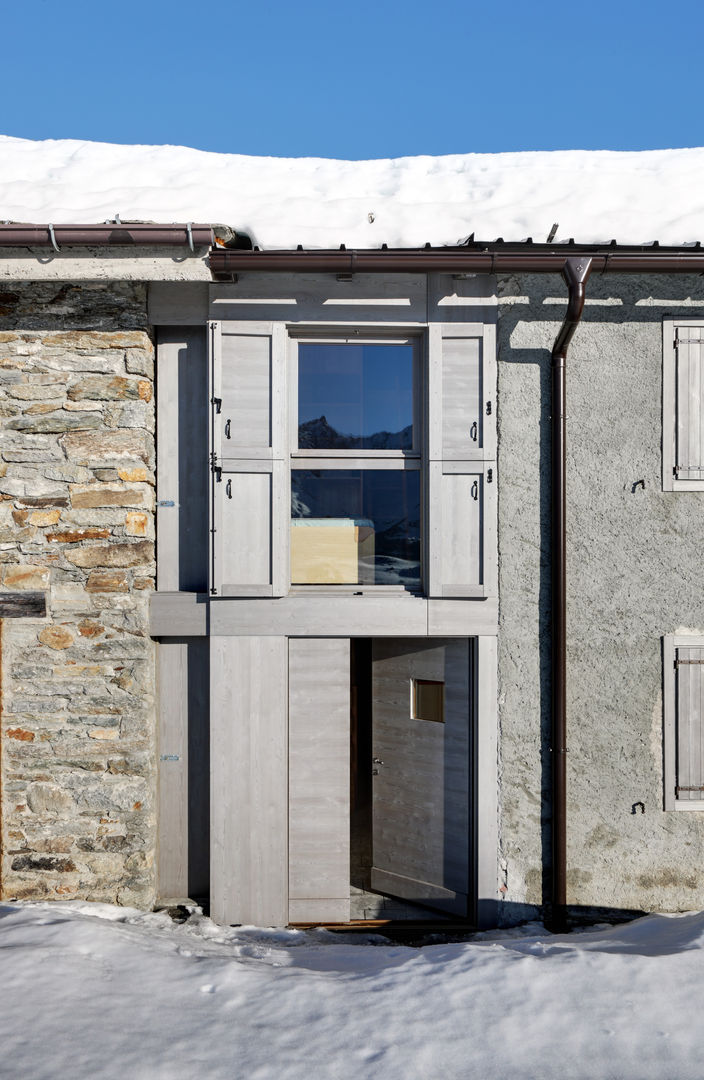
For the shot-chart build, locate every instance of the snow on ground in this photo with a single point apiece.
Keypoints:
(94, 991)
(635, 197)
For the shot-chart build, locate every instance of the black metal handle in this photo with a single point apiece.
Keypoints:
(227, 429)
(475, 490)
(228, 489)
(473, 432)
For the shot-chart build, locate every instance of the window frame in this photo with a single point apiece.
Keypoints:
(671, 644)
(670, 481)
(414, 460)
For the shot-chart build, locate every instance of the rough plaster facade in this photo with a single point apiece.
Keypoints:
(634, 574)
(78, 746)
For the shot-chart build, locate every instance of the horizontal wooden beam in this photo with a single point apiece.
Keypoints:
(22, 605)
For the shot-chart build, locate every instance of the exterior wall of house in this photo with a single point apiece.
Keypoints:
(634, 574)
(78, 751)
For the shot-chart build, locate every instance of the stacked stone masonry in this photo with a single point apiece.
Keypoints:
(77, 522)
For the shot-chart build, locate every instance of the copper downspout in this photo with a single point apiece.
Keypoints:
(575, 273)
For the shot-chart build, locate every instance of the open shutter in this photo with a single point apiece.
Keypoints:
(462, 466)
(689, 388)
(689, 717)
(250, 480)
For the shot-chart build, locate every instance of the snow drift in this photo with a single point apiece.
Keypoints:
(634, 197)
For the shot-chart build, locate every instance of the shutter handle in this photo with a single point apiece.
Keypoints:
(227, 429)
(228, 489)
(473, 432)
(475, 490)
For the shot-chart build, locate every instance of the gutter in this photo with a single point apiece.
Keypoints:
(496, 258)
(127, 234)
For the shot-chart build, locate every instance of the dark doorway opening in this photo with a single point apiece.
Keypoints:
(410, 780)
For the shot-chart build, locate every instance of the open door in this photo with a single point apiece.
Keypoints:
(421, 772)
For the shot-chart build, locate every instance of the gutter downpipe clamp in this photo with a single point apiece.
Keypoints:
(575, 272)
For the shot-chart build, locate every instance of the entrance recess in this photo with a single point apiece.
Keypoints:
(421, 771)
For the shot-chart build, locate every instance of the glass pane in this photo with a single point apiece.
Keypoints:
(428, 700)
(355, 396)
(355, 527)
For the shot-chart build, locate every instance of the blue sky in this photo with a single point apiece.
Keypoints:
(356, 80)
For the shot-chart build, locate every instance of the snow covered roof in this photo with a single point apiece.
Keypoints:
(594, 196)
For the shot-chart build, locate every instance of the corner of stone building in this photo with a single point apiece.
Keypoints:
(77, 475)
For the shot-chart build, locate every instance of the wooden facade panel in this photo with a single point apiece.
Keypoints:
(341, 616)
(319, 775)
(245, 419)
(244, 528)
(249, 780)
(321, 298)
(462, 395)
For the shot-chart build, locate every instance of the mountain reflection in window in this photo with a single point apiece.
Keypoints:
(355, 396)
(355, 526)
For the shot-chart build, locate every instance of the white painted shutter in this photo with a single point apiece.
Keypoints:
(462, 467)
(689, 389)
(319, 779)
(250, 480)
(689, 713)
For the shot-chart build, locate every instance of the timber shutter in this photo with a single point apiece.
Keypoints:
(683, 408)
(684, 723)
(462, 460)
(249, 479)
(689, 435)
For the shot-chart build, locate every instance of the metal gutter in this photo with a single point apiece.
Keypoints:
(128, 234)
(494, 258)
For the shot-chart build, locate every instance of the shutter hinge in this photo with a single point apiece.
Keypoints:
(488, 408)
(679, 663)
(489, 475)
(217, 402)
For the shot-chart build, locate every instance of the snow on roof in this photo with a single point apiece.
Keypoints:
(634, 197)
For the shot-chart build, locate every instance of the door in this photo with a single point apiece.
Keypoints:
(421, 771)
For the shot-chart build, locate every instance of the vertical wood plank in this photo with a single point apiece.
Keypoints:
(249, 780)
(245, 422)
(485, 779)
(319, 777)
(172, 832)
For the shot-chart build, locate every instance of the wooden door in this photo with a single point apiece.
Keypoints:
(421, 771)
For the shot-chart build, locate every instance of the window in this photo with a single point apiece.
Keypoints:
(356, 463)
(428, 700)
(683, 409)
(684, 722)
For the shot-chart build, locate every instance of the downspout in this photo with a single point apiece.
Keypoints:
(575, 273)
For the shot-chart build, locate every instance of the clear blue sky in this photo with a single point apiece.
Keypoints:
(356, 79)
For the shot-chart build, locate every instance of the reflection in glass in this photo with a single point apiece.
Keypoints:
(355, 396)
(355, 527)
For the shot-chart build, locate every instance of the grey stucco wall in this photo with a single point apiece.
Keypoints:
(634, 574)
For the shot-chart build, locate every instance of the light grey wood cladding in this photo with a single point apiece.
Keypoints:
(245, 384)
(319, 778)
(461, 530)
(175, 614)
(249, 780)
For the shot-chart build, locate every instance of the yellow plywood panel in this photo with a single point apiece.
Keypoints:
(332, 551)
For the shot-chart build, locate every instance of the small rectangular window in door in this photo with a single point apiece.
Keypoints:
(428, 700)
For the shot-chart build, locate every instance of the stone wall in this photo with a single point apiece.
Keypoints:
(77, 522)
(634, 574)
